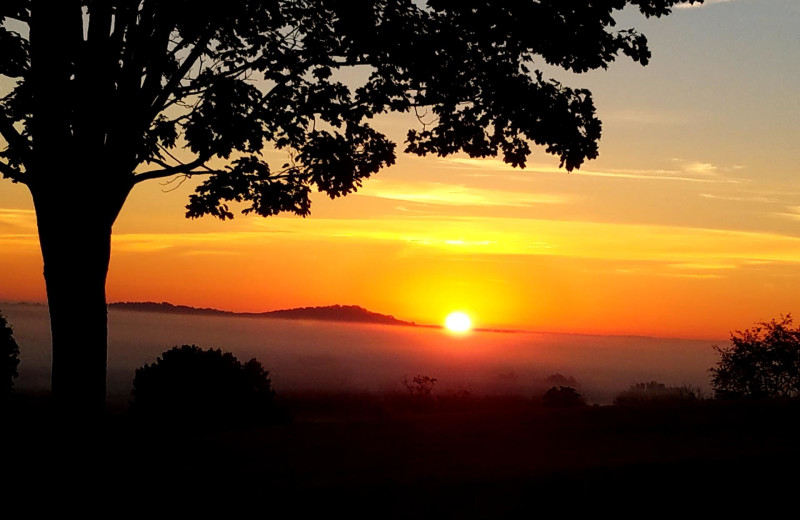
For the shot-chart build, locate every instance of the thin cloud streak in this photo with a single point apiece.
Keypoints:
(25, 218)
(691, 172)
(678, 246)
(456, 195)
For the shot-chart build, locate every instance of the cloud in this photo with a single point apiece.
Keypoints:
(187, 243)
(656, 175)
(700, 168)
(455, 195)
(687, 247)
(792, 212)
(734, 198)
(688, 172)
(18, 218)
(702, 266)
(212, 252)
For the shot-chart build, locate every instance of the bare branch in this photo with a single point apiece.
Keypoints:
(190, 168)
(180, 179)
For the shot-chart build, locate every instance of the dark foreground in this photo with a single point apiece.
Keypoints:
(374, 457)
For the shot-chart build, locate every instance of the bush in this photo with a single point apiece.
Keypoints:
(420, 387)
(561, 380)
(562, 397)
(191, 386)
(653, 392)
(9, 359)
(761, 363)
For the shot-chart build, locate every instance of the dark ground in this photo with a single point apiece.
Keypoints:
(387, 457)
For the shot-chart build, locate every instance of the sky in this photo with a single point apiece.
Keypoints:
(687, 225)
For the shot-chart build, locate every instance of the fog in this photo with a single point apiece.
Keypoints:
(342, 357)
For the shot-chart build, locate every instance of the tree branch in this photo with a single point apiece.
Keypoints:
(14, 139)
(175, 79)
(168, 171)
(12, 173)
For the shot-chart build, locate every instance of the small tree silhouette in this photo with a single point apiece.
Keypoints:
(561, 380)
(420, 387)
(761, 363)
(9, 359)
(562, 397)
(653, 392)
(191, 386)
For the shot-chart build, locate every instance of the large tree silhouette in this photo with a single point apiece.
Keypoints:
(111, 93)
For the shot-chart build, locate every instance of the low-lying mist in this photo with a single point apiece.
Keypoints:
(342, 357)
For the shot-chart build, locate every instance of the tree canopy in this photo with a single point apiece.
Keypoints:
(188, 385)
(761, 362)
(140, 80)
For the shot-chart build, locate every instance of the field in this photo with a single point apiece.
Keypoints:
(386, 456)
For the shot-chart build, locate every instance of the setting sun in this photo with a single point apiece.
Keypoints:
(458, 322)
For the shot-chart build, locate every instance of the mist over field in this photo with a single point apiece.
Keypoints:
(343, 357)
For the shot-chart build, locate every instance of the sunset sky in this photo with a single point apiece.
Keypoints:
(688, 224)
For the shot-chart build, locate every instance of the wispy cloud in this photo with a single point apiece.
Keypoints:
(739, 198)
(792, 212)
(212, 252)
(701, 168)
(702, 266)
(455, 195)
(657, 175)
(686, 171)
(187, 243)
(22, 218)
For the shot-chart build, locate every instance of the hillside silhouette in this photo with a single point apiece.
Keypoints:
(344, 313)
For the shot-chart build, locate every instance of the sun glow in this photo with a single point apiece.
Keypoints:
(458, 322)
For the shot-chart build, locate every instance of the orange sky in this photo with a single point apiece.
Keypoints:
(686, 226)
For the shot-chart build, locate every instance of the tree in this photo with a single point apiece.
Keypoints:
(109, 94)
(9, 359)
(761, 363)
(563, 397)
(655, 393)
(420, 387)
(189, 386)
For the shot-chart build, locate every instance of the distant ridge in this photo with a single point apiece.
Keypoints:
(344, 313)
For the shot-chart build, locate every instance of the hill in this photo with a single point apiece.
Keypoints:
(344, 313)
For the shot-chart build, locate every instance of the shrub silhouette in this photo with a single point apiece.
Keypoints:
(561, 380)
(562, 397)
(9, 359)
(191, 386)
(420, 387)
(653, 392)
(761, 363)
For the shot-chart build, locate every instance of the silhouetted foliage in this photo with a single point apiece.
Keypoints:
(762, 362)
(191, 386)
(114, 93)
(561, 380)
(420, 387)
(653, 392)
(9, 359)
(562, 397)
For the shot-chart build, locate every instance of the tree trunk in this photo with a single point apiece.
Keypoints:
(76, 257)
(75, 237)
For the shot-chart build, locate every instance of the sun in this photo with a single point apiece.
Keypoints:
(458, 322)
